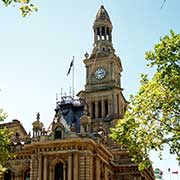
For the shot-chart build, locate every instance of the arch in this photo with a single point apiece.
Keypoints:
(7, 175)
(27, 174)
(52, 168)
(57, 160)
(58, 173)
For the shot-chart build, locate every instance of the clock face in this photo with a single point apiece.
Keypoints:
(100, 73)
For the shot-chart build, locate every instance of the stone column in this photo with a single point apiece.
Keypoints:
(51, 173)
(103, 108)
(105, 33)
(96, 109)
(64, 172)
(97, 168)
(95, 35)
(45, 170)
(70, 167)
(115, 104)
(110, 35)
(100, 32)
(87, 74)
(106, 173)
(110, 107)
(40, 167)
(75, 167)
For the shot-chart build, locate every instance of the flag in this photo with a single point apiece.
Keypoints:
(72, 62)
(175, 172)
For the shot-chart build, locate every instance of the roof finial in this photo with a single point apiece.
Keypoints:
(56, 99)
(38, 116)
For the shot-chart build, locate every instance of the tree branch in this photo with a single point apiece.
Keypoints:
(164, 1)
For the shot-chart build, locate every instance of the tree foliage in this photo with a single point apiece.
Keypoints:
(25, 6)
(153, 116)
(4, 143)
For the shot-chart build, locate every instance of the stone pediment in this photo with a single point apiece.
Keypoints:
(17, 129)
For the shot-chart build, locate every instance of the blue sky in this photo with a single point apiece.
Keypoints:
(35, 52)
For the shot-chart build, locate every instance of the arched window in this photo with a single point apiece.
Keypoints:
(58, 171)
(27, 174)
(58, 133)
(7, 175)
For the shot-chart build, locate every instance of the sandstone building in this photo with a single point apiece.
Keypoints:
(76, 146)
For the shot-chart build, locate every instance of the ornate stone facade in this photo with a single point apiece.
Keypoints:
(76, 146)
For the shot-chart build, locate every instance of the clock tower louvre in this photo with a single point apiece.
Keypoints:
(103, 92)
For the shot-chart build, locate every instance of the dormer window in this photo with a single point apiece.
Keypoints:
(17, 136)
(58, 133)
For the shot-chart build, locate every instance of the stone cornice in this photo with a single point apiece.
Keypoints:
(66, 146)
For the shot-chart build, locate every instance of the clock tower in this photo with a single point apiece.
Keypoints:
(103, 92)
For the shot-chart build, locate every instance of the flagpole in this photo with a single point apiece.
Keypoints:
(73, 79)
(170, 175)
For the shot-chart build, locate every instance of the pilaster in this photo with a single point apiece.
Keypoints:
(97, 168)
(76, 167)
(70, 167)
(45, 169)
(40, 167)
(33, 168)
(106, 173)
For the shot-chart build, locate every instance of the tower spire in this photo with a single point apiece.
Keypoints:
(102, 33)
